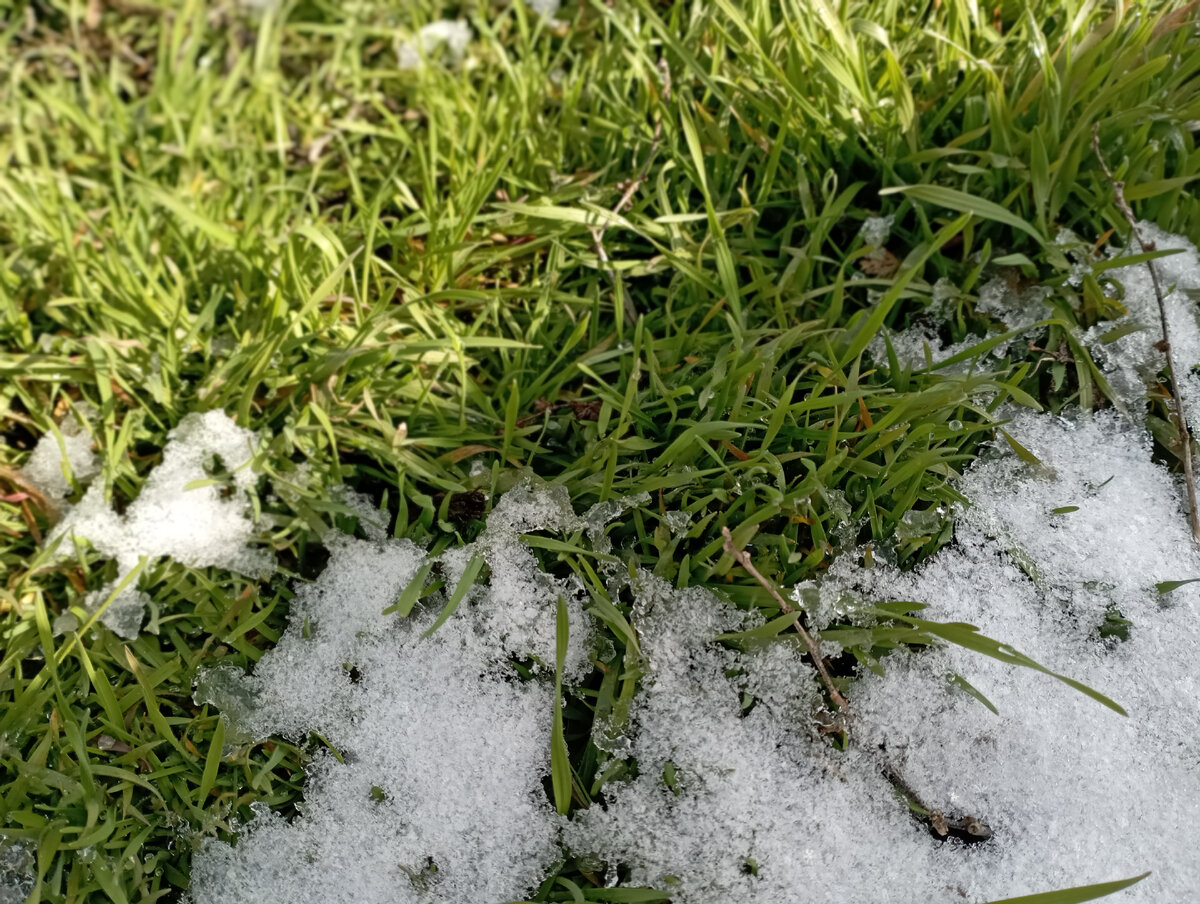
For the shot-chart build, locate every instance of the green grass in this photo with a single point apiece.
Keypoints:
(394, 275)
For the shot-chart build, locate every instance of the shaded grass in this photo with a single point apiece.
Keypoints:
(394, 276)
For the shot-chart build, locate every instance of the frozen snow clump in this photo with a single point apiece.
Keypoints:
(877, 230)
(452, 36)
(181, 512)
(48, 463)
(440, 797)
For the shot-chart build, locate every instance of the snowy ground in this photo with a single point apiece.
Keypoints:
(438, 794)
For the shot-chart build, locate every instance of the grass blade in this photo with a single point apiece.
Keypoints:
(1075, 895)
(560, 763)
(966, 203)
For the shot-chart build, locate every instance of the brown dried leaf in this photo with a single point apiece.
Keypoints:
(880, 263)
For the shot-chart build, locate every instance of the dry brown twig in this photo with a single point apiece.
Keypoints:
(743, 559)
(1185, 436)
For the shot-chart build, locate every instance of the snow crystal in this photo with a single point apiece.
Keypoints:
(877, 230)
(181, 512)
(440, 796)
(56, 455)
(453, 36)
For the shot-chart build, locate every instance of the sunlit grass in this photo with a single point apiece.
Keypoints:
(394, 275)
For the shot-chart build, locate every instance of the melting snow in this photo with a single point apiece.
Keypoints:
(50, 461)
(181, 512)
(440, 796)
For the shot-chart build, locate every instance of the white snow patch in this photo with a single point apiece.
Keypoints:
(760, 809)
(54, 456)
(452, 35)
(181, 512)
(1074, 792)
(440, 797)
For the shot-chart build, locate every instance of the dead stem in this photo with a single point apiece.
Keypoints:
(743, 559)
(1185, 436)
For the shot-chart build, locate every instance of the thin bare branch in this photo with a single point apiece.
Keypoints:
(1185, 436)
(743, 559)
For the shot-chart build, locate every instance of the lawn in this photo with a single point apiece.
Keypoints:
(499, 451)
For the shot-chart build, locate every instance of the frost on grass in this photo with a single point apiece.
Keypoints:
(182, 512)
(440, 795)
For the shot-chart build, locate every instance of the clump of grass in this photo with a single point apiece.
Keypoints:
(394, 276)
